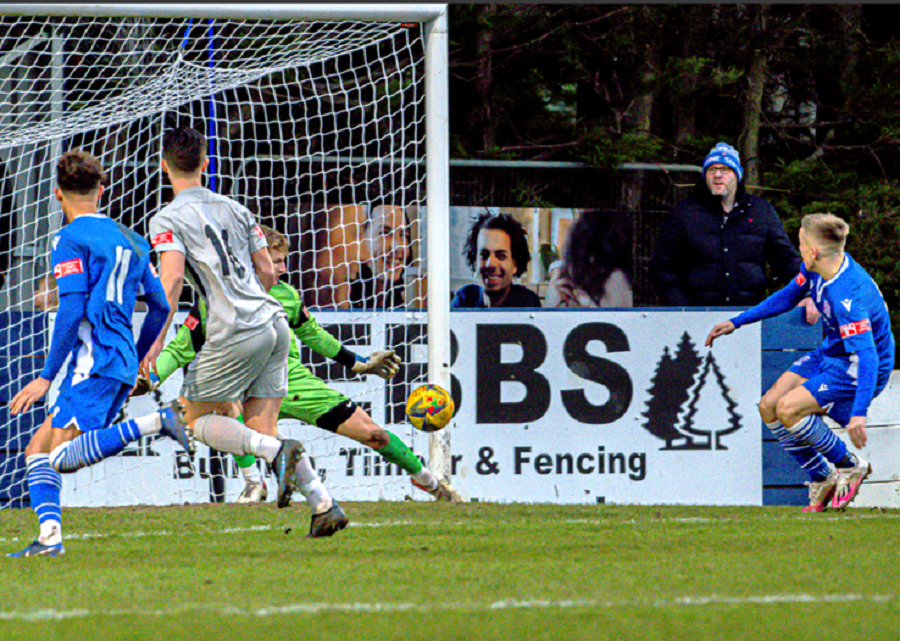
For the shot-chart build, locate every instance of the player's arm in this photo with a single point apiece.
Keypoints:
(72, 308)
(71, 276)
(867, 377)
(262, 262)
(158, 309)
(781, 301)
(857, 337)
(178, 353)
(306, 328)
(171, 273)
(259, 252)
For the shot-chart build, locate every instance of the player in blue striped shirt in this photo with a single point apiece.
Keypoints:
(841, 377)
(101, 268)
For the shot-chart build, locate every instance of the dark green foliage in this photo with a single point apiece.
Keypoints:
(607, 84)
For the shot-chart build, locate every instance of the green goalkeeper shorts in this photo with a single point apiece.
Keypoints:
(310, 400)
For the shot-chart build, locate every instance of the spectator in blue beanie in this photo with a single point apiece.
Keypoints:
(715, 245)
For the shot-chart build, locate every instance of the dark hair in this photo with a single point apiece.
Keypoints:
(79, 172)
(184, 149)
(599, 243)
(518, 239)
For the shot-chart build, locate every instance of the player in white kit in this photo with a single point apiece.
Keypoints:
(216, 243)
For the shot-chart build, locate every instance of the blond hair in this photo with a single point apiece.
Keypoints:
(828, 230)
(276, 239)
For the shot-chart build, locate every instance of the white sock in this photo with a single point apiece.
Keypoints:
(251, 474)
(311, 486)
(425, 478)
(265, 446)
(149, 424)
(51, 533)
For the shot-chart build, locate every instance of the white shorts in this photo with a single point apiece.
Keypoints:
(256, 367)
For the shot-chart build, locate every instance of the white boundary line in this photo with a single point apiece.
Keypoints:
(83, 536)
(40, 616)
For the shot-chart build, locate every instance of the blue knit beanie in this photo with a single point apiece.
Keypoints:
(725, 154)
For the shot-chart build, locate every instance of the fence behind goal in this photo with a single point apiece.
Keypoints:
(317, 121)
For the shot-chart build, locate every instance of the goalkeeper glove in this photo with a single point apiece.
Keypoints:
(145, 384)
(385, 364)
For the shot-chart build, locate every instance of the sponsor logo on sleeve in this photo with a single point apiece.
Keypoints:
(846, 303)
(163, 238)
(800, 280)
(855, 329)
(191, 322)
(259, 232)
(68, 267)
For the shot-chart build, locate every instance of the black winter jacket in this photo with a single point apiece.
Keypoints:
(704, 258)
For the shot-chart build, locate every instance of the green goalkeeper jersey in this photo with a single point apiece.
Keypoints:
(192, 334)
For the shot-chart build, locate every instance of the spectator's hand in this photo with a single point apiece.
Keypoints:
(812, 313)
(560, 292)
(384, 364)
(722, 329)
(856, 430)
(26, 397)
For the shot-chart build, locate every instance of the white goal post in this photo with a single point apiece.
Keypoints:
(319, 118)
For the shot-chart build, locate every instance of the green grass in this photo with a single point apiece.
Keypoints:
(437, 571)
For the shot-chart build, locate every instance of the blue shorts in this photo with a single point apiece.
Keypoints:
(831, 384)
(91, 404)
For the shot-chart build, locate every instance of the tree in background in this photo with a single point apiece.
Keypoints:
(810, 94)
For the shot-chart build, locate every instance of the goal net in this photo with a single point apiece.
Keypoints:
(315, 121)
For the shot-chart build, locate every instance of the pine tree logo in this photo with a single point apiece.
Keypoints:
(685, 409)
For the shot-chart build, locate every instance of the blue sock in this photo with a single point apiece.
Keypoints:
(92, 447)
(44, 486)
(809, 459)
(813, 430)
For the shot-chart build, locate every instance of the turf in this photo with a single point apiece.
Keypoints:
(436, 571)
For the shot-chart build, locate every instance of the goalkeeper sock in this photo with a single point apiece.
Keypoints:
(311, 486)
(809, 459)
(44, 485)
(89, 448)
(424, 478)
(398, 453)
(247, 465)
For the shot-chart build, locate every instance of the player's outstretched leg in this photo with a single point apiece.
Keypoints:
(92, 447)
(361, 428)
(44, 484)
(396, 451)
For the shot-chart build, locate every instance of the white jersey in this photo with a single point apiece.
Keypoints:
(217, 236)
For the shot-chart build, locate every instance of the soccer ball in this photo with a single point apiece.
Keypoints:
(430, 408)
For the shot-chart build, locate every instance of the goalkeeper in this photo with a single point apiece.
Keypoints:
(309, 398)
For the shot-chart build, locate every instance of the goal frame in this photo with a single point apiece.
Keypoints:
(433, 18)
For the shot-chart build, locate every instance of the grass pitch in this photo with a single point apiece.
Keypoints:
(425, 570)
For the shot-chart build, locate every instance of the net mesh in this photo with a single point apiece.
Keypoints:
(317, 127)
